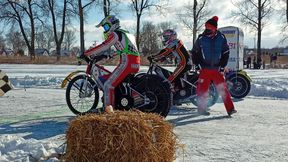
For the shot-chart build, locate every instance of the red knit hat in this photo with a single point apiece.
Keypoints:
(212, 23)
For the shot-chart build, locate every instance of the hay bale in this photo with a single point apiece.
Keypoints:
(120, 136)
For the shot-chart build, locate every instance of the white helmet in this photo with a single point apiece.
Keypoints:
(109, 23)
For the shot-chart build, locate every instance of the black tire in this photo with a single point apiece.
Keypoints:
(156, 90)
(78, 104)
(212, 98)
(239, 86)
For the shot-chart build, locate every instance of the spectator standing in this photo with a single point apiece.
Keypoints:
(210, 55)
(254, 63)
(248, 64)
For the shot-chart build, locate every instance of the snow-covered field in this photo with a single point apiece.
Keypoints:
(34, 117)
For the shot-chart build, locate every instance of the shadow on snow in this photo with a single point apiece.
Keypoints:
(187, 116)
(38, 129)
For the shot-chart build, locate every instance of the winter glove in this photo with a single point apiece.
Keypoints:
(99, 57)
(84, 57)
(81, 56)
(221, 70)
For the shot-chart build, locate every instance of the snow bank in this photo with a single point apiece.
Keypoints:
(15, 148)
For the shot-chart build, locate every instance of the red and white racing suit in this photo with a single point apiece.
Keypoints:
(129, 61)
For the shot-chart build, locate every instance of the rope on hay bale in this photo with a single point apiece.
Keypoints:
(120, 136)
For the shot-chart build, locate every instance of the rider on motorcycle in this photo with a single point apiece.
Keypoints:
(175, 48)
(126, 49)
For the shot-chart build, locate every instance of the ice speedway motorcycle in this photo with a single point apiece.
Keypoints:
(184, 89)
(146, 92)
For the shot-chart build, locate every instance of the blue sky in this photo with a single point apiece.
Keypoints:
(222, 8)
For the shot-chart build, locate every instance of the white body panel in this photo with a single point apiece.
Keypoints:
(235, 39)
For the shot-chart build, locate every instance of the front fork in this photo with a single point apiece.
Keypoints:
(84, 87)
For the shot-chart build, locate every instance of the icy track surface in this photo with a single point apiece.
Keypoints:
(34, 117)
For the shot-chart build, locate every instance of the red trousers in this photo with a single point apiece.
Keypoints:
(129, 64)
(205, 78)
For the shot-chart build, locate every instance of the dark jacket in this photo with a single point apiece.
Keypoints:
(210, 53)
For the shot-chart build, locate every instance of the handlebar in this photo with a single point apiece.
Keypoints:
(94, 58)
(85, 58)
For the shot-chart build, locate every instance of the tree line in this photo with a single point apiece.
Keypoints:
(45, 23)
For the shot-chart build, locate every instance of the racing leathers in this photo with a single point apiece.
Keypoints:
(210, 55)
(129, 61)
(177, 50)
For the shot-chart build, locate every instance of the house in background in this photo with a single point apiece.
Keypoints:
(285, 52)
(63, 52)
(41, 52)
(6, 52)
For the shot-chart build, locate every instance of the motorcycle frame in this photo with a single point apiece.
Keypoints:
(153, 67)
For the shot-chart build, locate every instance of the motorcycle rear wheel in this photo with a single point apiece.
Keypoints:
(156, 91)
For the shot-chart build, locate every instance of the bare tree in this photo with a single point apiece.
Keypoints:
(110, 6)
(17, 42)
(24, 14)
(106, 7)
(165, 25)
(80, 9)
(286, 11)
(59, 18)
(69, 38)
(193, 16)
(284, 17)
(254, 13)
(44, 37)
(2, 44)
(140, 6)
(149, 39)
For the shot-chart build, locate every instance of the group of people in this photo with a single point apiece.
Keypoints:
(257, 62)
(210, 55)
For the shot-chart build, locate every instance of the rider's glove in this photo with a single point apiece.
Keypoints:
(100, 57)
(82, 56)
(150, 58)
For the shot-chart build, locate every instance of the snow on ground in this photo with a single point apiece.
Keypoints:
(34, 117)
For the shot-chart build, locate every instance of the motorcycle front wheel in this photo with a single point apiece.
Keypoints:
(238, 85)
(82, 96)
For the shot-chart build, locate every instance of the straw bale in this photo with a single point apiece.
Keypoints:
(120, 136)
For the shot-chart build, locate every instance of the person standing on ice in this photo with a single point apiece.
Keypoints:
(126, 49)
(210, 55)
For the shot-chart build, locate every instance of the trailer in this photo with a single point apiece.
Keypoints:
(235, 40)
